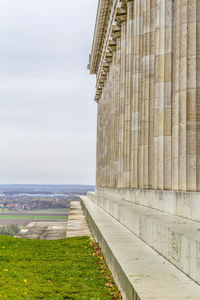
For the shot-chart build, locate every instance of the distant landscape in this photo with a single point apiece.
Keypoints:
(21, 204)
(49, 189)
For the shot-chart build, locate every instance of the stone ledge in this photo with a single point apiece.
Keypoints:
(175, 238)
(182, 204)
(139, 271)
(77, 225)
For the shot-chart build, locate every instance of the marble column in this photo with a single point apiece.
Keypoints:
(118, 62)
(149, 107)
(141, 100)
(152, 49)
(163, 87)
(135, 114)
(191, 144)
(122, 103)
(128, 94)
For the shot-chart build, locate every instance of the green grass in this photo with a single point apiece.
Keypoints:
(30, 217)
(20, 227)
(62, 269)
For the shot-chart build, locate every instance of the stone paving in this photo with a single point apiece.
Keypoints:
(44, 231)
(76, 226)
(139, 271)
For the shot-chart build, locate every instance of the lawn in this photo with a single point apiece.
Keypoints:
(72, 268)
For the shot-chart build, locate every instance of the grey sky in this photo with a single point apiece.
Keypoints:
(47, 112)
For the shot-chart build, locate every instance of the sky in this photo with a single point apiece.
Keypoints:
(47, 112)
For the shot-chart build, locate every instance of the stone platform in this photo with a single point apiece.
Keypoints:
(124, 230)
(182, 204)
(176, 238)
(44, 231)
(77, 225)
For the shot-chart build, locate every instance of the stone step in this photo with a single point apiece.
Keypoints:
(182, 204)
(175, 238)
(139, 271)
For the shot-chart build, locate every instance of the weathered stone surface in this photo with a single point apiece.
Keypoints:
(186, 205)
(162, 231)
(148, 119)
(44, 231)
(77, 225)
(140, 272)
(148, 133)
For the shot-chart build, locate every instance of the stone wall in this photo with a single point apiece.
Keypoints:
(148, 96)
(148, 143)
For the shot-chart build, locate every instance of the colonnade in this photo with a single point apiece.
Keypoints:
(149, 105)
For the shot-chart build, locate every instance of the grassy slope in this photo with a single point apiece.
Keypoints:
(62, 269)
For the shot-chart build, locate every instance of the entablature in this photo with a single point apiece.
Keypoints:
(105, 37)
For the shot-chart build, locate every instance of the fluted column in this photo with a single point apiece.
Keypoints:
(115, 131)
(136, 94)
(198, 90)
(182, 118)
(193, 10)
(151, 91)
(122, 102)
(146, 95)
(148, 120)
(163, 93)
(128, 93)
(118, 62)
(185, 96)
(176, 95)
(141, 100)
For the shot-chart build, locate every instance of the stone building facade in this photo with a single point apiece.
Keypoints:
(147, 66)
(146, 57)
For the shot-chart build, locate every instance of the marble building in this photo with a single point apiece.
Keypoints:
(147, 93)
(146, 57)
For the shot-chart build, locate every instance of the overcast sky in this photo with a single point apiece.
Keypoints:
(47, 112)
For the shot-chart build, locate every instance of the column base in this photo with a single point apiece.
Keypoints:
(182, 204)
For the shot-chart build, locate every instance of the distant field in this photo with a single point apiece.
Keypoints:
(24, 217)
(50, 210)
(32, 217)
(22, 223)
(37, 211)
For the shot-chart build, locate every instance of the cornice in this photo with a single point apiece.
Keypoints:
(101, 57)
(99, 33)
